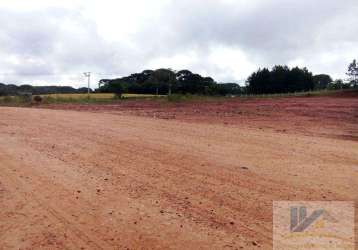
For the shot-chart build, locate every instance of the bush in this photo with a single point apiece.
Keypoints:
(176, 98)
(38, 99)
(7, 99)
(117, 96)
(24, 97)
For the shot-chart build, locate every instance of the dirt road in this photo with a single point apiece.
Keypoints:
(79, 180)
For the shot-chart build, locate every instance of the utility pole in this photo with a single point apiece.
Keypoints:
(171, 80)
(88, 75)
(170, 89)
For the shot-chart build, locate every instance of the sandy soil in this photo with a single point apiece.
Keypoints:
(124, 179)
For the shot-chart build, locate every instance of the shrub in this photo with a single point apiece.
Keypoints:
(176, 98)
(7, 99)
(38, 99)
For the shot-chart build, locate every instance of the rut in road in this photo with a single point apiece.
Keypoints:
(107, 181)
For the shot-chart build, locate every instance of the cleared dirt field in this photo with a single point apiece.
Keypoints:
(328, 116)
(148, 175)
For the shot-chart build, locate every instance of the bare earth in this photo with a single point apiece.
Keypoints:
(177, 177)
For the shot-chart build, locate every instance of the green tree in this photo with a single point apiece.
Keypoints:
(321, 81)
(281, 79)
(353, 72)
(335, 85)
(164, 76)
(167, 81)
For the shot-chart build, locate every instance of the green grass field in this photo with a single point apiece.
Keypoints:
(99, 96)
(73, 98)
(108, 98)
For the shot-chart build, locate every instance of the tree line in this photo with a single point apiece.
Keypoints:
(279, 79)
(11, 90)
(164, 81)
(282, 79)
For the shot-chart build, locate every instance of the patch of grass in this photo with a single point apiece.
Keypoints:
(177, 98)
(186, 98)
(98, 96)
(94, 98)
(142, 96)
(81, 96)
(72, 98)
(49, 99)
(15, 101)
(296, 94)
(102, 98)
(189, 97)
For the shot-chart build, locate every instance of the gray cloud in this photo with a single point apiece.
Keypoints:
(320, 34)
(269, 32)
(51, 42)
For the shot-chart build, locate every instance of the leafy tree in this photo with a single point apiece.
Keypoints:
(103, 82)
(2, 89)
(224, 89)
(164, 81)
(338, 84)
(281, 79)
(321, 81)
(260, 82)
(8, 90)
(353, 72)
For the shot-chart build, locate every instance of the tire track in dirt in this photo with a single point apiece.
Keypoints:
(53, 211)
(150, 187)
(32, 172)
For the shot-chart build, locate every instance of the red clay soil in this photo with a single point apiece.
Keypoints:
(152, 175)
(330, 116)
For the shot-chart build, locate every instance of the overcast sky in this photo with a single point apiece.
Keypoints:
(53, 42)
